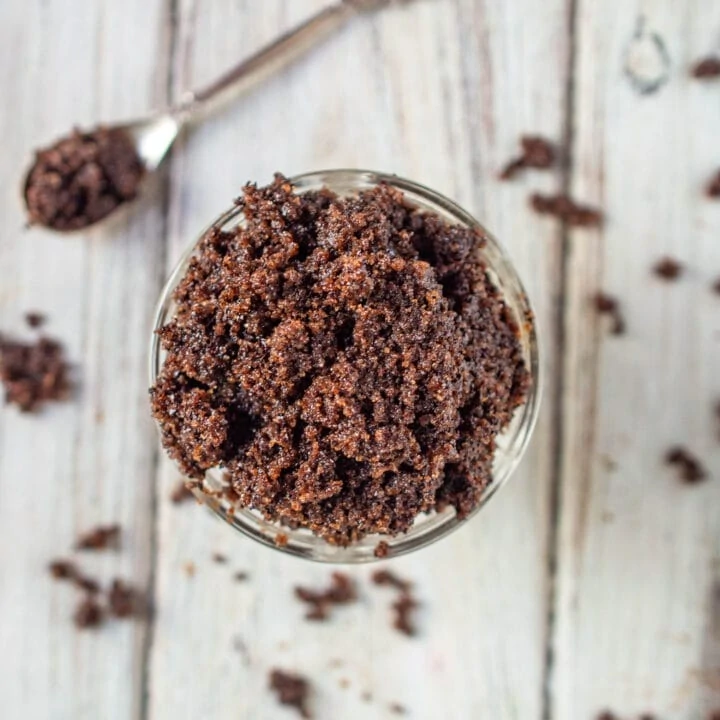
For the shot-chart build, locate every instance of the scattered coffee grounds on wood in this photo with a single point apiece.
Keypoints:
(690, 469)
(100, 538)
(342, 591)
(566, 209)
(180, 493)
(82, 179)
(292, 690)
(124, 600)
(219, 558)
(668, 268)
(33, 373)
(347, 360)
(707, 68)
(382, 549)
(405, 604)
(712, 189)
(241, 576)
(397, 708)
(66, 570)
(389, 578)
(536, 153)
(89, 613)
(35, 319)
(608, 305)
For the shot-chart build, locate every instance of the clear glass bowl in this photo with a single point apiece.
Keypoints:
(510, 445)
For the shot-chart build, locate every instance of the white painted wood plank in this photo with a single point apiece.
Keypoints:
(439, 92)
(637, 608)
(91, 460)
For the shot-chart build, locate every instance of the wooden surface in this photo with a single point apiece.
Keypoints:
(591, 580)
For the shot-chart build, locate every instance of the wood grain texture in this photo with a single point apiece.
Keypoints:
(439, 92)
(637, 609)
(90, 460)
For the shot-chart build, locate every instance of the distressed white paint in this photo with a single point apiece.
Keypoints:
(639, 553)
(91, 460)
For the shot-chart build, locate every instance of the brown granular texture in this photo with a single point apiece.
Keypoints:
(82, 178)
(33, 373)
(608, 305)
(537, 152)
(405, 604)
(124, 600)
(707, 68)
(100, 538)
(382, 550)
(35, 319)
(342, 591)
(180, 493)
(66, 570)
(89, 613)
(347, 360)
(690, 469)
(712, 189)
(389, 578)
(292, 690)
(668, 268)
(404, 608)
(566, 209)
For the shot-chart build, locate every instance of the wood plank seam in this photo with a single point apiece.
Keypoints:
(555, 500)
(172, 31)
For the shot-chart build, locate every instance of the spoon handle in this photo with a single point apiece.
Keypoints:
(271, 58)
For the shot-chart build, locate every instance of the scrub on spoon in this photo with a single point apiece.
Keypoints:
(85, 177)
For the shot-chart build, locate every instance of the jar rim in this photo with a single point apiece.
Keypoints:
(512, 441)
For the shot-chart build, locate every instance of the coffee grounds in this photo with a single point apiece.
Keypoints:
(241, 576)
(397, 708)
(566, 209)
(100, 538)
(33, 373)
(668, 268)
(82, 178)
(35, 319)
(89, 614)
(712, 189)
(342, 591)
(706, 69)
(390, 579)
(690, 469)
(347, 360)
(405, 604)
(292, 690)
(124, 601)
(219, 558)
(608, 305)
(536, 153)
(66, 570)
(180, 493)
(382, 550)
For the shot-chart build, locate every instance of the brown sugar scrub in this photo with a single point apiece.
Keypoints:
(347, 360)
(82, 178)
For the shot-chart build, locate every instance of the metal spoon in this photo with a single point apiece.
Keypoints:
(153, 136)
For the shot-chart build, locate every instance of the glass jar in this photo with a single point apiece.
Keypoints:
(511, 443)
